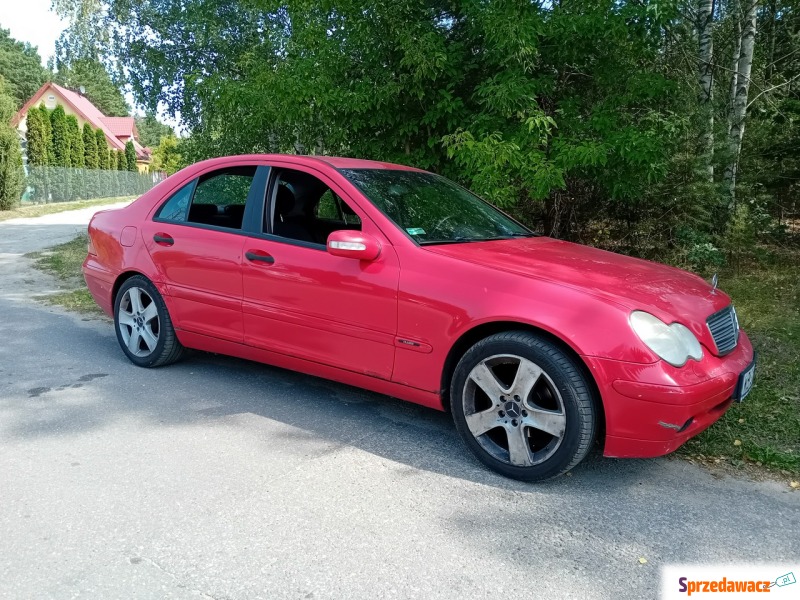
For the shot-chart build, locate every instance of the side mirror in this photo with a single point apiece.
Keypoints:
(353, 244)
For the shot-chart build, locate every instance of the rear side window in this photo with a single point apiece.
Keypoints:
(225, 189)
(217, 199)
(176, 207)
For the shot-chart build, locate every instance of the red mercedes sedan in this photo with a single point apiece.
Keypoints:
(399, 281)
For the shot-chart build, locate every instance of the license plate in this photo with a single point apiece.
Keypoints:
(745, 382)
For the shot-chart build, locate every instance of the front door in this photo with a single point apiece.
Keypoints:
(301, 301)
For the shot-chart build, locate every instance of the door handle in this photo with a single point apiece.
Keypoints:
(163, 239)
(259, 256)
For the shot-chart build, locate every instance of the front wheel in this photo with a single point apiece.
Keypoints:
(522, 406)
(144, 328)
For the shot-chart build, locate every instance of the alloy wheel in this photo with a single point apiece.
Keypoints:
(514, 410)
(139, 323)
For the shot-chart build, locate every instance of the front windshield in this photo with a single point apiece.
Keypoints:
(432, 209)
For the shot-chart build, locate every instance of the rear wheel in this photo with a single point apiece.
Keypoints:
(144, 328)
(522, 406)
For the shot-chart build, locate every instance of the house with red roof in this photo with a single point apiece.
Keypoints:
(118, 130)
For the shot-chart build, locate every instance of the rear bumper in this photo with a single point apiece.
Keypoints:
(652, 409)
(100, 283)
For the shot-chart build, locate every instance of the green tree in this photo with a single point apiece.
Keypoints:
(91, 158)
(130, 156)
(37, 138)
(12, 177)
(99, 87)
(592, 120)
(48, 133)
(102, 149)
(167, 156)
(21, 67)
(151, 130)
(122, 161)
(61, 137)
(76, 155)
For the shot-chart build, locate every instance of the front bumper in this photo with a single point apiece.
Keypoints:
(651, 409)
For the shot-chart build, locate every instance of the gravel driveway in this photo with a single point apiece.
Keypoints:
(220, 478)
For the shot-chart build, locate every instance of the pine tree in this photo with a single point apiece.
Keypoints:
(122, 161)
(130, 155)
(12, 177)
(48, 134)
(89, 147)
(76, 154)
(102, 149)
(37, 140)
(61, 139)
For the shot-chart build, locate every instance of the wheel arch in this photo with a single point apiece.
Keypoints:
(472, 336)
(122, 278)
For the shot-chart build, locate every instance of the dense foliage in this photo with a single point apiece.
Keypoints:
(102, 149)
(76, 152)
(54, 139)
(39, 140)
(11, 173)
(90, 74)
(61, 137)
(151, 130)
(612, 122)
(167, 156)
(21, 67)
(90, 155)
(130, 156)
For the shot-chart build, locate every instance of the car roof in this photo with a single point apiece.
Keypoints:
(337, 162)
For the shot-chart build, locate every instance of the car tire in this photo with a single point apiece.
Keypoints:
(523, 406)
(143, 325)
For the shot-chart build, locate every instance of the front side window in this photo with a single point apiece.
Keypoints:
(432, 209)
(304, 209)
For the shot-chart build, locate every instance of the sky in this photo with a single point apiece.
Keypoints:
(32, 21)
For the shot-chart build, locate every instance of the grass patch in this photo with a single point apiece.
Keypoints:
(77, 300)
(767, 424)
(39, 210)
(65, 261)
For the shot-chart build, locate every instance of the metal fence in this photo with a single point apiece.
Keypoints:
(63, 184)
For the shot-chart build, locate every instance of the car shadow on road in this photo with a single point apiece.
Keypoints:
(205, 387)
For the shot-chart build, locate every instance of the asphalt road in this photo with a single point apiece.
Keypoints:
(220, 478)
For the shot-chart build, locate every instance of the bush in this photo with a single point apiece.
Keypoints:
(697, 251)
(12, 177)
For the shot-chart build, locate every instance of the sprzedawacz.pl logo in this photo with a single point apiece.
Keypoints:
(725, 585)
(689, 587)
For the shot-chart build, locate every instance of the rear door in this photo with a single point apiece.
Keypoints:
(195, 240)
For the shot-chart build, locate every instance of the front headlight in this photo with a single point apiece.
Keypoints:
(674, 343)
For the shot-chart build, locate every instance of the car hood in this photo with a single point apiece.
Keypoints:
(669, 293)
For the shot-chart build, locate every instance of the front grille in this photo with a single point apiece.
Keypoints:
(724, 328)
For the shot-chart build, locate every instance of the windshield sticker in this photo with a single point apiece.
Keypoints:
(415, 231)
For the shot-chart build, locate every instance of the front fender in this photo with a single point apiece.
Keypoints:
(442, 300)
